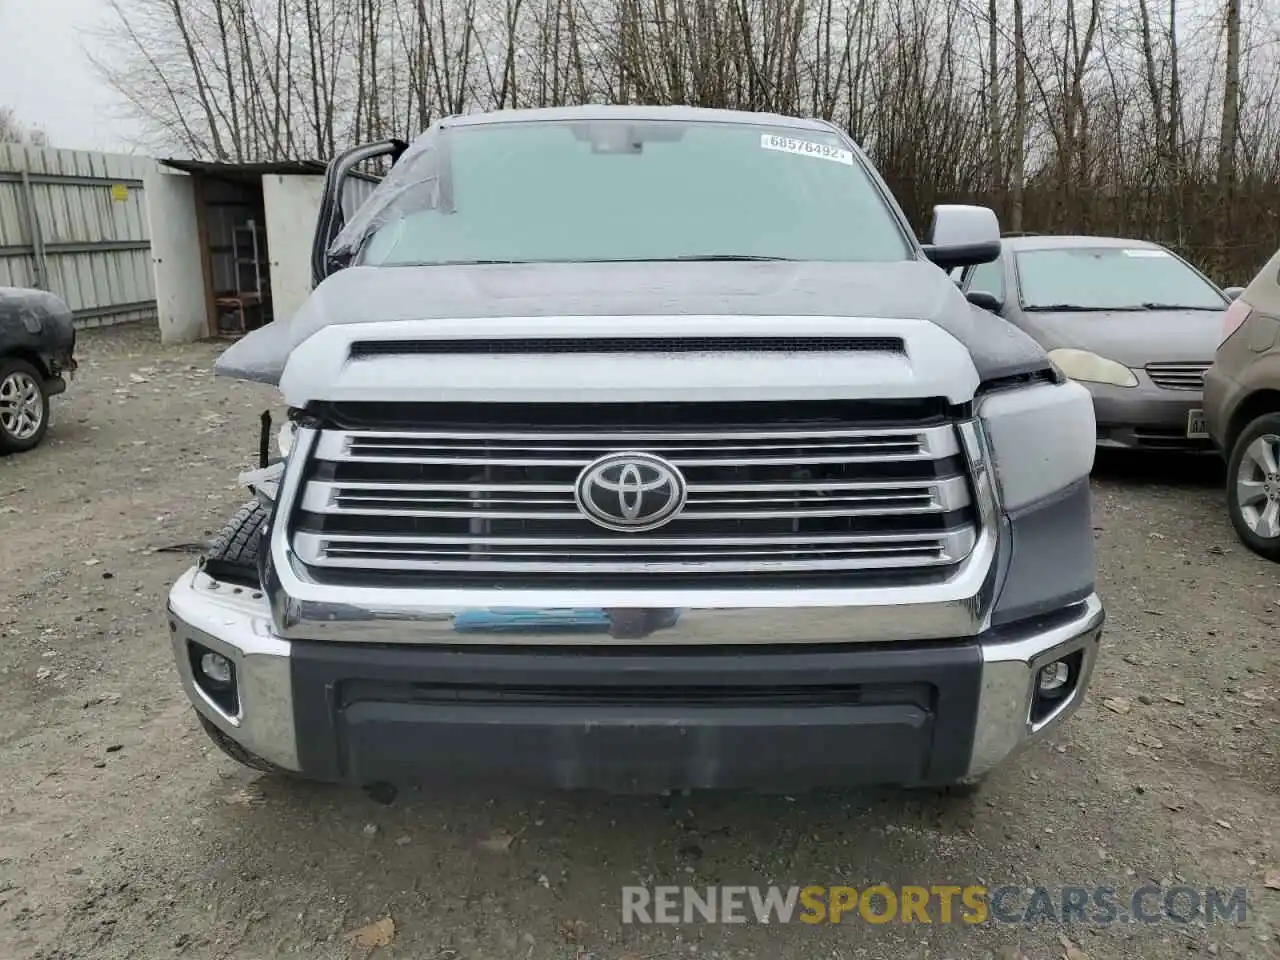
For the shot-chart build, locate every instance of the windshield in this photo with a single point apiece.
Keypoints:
(1111, 278)
(556, 191)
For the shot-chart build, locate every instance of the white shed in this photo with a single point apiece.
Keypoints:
(231, 242)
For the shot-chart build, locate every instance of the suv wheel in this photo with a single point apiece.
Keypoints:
(24, 406)
(1253, 486)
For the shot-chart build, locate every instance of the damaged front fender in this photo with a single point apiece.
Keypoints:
(260, 356)
(264, 483)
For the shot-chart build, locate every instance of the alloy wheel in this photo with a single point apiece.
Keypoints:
(21, 405)
(1258, 486)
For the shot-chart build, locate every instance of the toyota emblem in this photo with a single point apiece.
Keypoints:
(630, 491)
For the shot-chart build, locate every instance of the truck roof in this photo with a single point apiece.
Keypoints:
(1073, 243)
(634, 112)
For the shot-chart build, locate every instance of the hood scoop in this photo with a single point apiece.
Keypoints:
(712, 358)
(486, 346)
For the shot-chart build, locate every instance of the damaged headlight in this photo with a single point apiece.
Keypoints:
(284, 439)
(1042, 439)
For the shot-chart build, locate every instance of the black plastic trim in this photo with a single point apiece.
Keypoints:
(752, 415)
(484, 346)
(365, 713)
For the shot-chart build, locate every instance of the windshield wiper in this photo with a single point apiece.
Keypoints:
(711, 257)
(1127, 308)
(691, 258)
(1061, 308)
(465, 263)
(694, 258)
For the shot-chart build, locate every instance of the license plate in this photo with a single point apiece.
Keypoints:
(1197, 428)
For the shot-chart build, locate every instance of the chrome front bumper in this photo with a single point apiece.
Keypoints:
(237, 622)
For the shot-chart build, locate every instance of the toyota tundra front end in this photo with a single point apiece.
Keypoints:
(718, 518)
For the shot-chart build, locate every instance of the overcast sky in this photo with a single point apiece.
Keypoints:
(47, 80)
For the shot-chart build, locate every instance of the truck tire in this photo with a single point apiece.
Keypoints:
(24, 406)
(237, 543)
(236, 752)
(236, 547)
(1263, 431)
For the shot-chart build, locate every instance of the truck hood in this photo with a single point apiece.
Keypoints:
(1134, 338)
(309, 355)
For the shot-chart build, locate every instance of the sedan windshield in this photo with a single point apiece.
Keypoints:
(1112, 278)
(615, 190)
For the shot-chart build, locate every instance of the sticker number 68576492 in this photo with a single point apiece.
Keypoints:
(806, 148)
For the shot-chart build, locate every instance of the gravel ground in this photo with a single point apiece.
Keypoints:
(126, 834)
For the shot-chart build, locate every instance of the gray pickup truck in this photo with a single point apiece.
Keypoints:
(646, 448)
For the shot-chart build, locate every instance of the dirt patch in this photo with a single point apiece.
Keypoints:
(126, 834)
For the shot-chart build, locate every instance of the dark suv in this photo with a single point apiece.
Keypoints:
(37, 347)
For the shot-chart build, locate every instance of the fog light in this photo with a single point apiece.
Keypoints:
(1054, 678)
(215, 675)
(216, 668)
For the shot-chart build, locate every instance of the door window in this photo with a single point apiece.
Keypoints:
(987, 278)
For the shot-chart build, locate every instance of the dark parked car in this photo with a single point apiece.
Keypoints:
(1129, 319)
(37, 353)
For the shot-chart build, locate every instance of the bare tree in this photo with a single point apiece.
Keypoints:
(1230, 98)
(13, 131)
(1115, 116)
(1019, 175)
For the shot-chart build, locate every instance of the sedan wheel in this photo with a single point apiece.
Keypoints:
(1253, 486)
(24, 407)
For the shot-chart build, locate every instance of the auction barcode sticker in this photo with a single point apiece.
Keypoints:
(806, 148)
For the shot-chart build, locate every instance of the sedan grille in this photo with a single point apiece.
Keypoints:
(498, 506)
(1178, 376)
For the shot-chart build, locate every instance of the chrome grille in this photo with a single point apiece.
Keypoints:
(1178, 376)
(500, 504)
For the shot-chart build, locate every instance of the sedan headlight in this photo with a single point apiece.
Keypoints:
(1090, 368)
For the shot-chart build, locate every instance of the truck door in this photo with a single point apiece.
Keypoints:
(333, 215)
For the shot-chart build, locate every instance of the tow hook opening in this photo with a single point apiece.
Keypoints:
(1055, 683)
(215, 675)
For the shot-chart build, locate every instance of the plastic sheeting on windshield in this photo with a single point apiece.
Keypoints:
(412, 184)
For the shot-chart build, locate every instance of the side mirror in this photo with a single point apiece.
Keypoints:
(331, 218)
(986, 301)
(1234, 293)
(963, 236)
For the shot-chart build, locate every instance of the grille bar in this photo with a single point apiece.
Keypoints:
(1178, 376)
(705, 501)
(786, 500)
(533, 450)
(653, 555)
